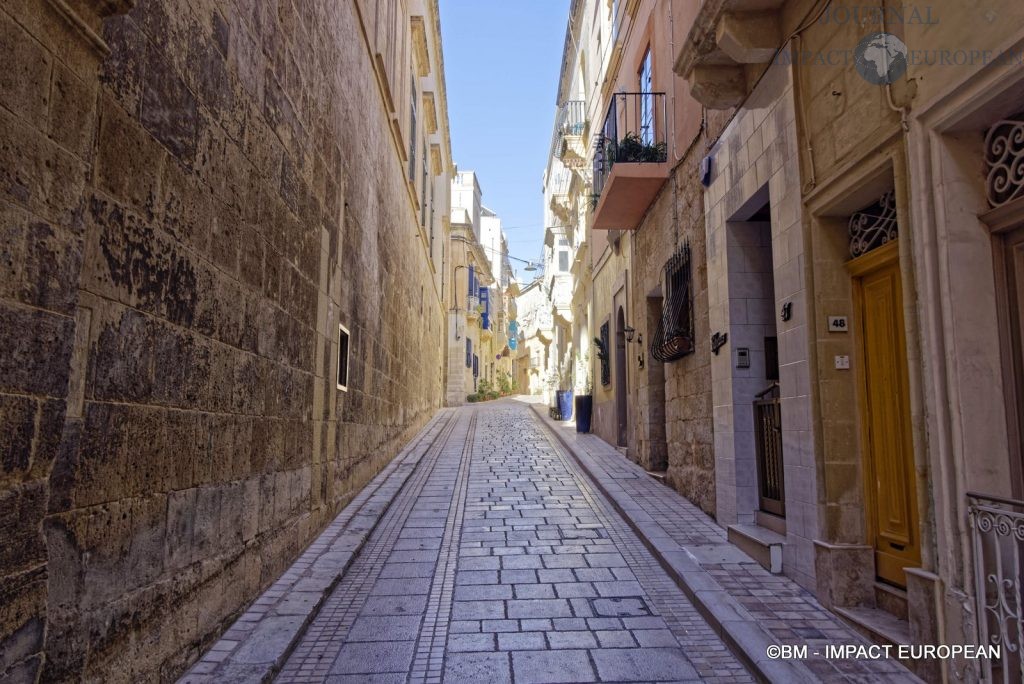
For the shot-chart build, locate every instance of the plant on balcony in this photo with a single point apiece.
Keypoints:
(632, 149)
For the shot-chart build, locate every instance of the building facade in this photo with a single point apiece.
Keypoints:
(891, 211)
(483, 304)
(194, 379)
(803, 290)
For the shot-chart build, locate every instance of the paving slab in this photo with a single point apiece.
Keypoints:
(495, 559)
(750, 607)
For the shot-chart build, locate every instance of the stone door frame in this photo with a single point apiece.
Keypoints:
(954, 264)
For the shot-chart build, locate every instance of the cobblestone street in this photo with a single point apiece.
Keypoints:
(489, 551)
(498, 562)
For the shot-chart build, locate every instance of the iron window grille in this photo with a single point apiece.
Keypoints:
(674, 336)
(606, 369)
(1004, 160)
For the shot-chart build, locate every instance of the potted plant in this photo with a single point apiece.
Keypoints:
(584, 408)
(633, 149)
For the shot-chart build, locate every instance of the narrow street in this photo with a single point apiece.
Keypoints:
(303, 380)
(499, 562)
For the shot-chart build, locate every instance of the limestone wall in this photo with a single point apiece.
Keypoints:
(673, 400)
(181, 238)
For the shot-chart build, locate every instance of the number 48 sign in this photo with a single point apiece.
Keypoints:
(837, 324)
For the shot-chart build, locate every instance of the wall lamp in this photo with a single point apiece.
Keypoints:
(629, 331)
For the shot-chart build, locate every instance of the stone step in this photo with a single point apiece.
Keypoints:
(879, 626)
(760, 543)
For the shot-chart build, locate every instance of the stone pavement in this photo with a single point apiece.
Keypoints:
(497, 561)
(748, 605)
(500, 547)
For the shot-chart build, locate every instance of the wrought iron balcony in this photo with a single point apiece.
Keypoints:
(559, 185)
(570, 123)
(630, 159)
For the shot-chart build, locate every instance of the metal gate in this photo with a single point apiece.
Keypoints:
(768, 435)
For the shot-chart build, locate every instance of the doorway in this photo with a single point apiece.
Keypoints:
(757, 395)
(1010, 265)
(620, 377)
(884, 407)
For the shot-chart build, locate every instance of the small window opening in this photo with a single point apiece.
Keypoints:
(342, 358)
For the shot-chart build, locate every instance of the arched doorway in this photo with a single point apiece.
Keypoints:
(620, 376)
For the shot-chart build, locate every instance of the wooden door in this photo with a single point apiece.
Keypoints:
(1010, 270)
(885, 414)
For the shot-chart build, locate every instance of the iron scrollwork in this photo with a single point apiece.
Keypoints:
(874, 226)
(1004, 161)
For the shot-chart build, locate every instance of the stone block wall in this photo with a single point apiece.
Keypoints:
(186, 221)
(609, 286)
(674, 418)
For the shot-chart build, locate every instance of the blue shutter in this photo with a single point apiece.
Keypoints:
(469, 352)
(485, 299)
(472, 285)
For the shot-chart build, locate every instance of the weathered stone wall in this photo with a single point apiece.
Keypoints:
(181, 238)
(609, 281)
(673, 418)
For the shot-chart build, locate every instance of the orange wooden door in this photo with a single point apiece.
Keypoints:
(885, 415)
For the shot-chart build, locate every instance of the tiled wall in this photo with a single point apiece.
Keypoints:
(757, 150)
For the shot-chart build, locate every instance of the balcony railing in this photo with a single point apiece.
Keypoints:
(571, 120)
(997, 531)
(633, 133)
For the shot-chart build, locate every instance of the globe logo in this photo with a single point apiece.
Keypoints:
(880, 58)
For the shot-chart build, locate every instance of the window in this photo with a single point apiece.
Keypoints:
(423, 190)
(563, 260)
(469, 353)
(606, 371)
(342, 358)
(646, 100)
(674, 338)
(412, 134)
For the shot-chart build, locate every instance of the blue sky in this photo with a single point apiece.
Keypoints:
(502, 59)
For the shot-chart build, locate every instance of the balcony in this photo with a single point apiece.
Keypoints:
(559, 187)
(630, 160)
(473, 308)
(567, 137)
(729, 46)
(997, 533)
